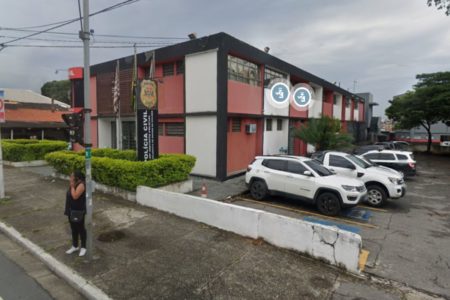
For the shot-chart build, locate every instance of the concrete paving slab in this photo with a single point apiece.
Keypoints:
(142, 253)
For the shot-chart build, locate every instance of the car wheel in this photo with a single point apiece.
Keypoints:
(328, 204)
(258, 189)
(376, 196)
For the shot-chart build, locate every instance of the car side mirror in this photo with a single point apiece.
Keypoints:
(360, 174)
(307, 173)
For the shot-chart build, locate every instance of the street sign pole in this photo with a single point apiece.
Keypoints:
(2, 120)
(85, 36)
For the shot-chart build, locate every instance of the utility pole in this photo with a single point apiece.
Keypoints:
(85, 36)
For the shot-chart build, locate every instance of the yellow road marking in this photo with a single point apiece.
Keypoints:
(363, 256)
(309, 213)
(373, 208)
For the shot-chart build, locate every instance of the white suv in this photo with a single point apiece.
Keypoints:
(381, 182)
(303, 178)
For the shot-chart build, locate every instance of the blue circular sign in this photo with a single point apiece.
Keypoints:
(280, 92)
(302, 96)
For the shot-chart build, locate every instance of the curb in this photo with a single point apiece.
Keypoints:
(80, 284)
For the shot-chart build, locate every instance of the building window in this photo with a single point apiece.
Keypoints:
(269, 125)
(347, 102)
(279, 124)
(180, 67)
(356, 106)
(243, 71)
(236, 125)
(128, 135)
(168, 69)
(334, 99)
(160, 128)
(174, 129)
(270, 74)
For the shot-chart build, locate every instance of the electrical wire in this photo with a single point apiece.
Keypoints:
(75, 46)
(95, 42)
(99, 35)
(64, 23)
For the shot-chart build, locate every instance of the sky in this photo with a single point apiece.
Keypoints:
(375, 46)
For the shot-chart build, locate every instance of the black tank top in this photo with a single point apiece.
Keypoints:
(71, 204)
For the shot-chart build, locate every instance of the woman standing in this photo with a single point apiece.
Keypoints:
(76, 209)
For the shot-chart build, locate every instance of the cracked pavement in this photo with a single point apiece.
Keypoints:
(144, 253)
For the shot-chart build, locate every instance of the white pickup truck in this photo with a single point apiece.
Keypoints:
(381, 182)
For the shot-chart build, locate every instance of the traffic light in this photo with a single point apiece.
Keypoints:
(75, 121)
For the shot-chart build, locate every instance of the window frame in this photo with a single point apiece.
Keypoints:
(267, 161)
(291, 163)
(344, 162)
(269, 125)
(279, 124)
(165, 69)
(167, 126)
(239, 69)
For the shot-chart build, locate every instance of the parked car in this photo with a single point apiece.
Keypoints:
(305, 179)
(395, 145)
(366, 148)
(381, 182)
(398, 160)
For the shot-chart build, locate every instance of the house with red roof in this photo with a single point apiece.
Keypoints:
(30, 115)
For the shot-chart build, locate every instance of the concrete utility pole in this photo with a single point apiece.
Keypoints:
(85, 36)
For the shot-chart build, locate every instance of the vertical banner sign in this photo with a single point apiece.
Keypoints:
(147, 120)
(2, 107)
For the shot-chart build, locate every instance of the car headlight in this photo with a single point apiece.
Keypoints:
(350, 188)
(394, 180)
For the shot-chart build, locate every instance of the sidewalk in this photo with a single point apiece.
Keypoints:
(142, 253)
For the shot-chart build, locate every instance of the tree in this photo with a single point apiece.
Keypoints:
(440, 4)
(324, 133)
(57, 89)
(426, 105)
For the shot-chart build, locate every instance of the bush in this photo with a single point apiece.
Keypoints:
(125, 173)
(27, 150)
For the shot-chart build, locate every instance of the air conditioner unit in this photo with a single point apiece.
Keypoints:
(250, 128)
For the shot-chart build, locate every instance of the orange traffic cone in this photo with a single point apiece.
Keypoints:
(204, 191)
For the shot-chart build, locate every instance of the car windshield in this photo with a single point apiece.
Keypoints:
(360, 162)
(318, 168)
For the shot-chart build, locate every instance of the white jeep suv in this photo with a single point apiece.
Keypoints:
(303, 178)
(381, 182)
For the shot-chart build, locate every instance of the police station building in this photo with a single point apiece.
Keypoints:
(216, 102)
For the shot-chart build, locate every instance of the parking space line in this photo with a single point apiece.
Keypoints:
(363, 256)
(373, 208)
(309, 213)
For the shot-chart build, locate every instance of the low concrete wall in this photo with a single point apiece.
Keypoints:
(20, 164)
(338, 247)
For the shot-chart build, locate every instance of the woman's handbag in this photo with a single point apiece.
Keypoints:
(76, 216)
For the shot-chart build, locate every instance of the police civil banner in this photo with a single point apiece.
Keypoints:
(147, 120)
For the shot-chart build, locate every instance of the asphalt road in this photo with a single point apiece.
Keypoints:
(15, 283)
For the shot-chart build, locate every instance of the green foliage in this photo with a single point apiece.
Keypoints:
(57, 89)
(27, 150)
(324, 133)
(427, 104)
(125, 172)
(440, 4)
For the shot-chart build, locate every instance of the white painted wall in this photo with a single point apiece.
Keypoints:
(201, 140)
(356, 113)
(201, 81)
(275, 139)
(338, 247)
(316, 109)
(337, 108)
(104, 133)
(347, 112)
(272, 110)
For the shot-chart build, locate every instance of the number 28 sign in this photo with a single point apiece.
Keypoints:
(2, 107)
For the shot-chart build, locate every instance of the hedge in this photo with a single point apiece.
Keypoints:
(27, 150)
(126, 174)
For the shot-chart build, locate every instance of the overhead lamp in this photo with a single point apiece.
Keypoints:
(266, 49)
(192, 36)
